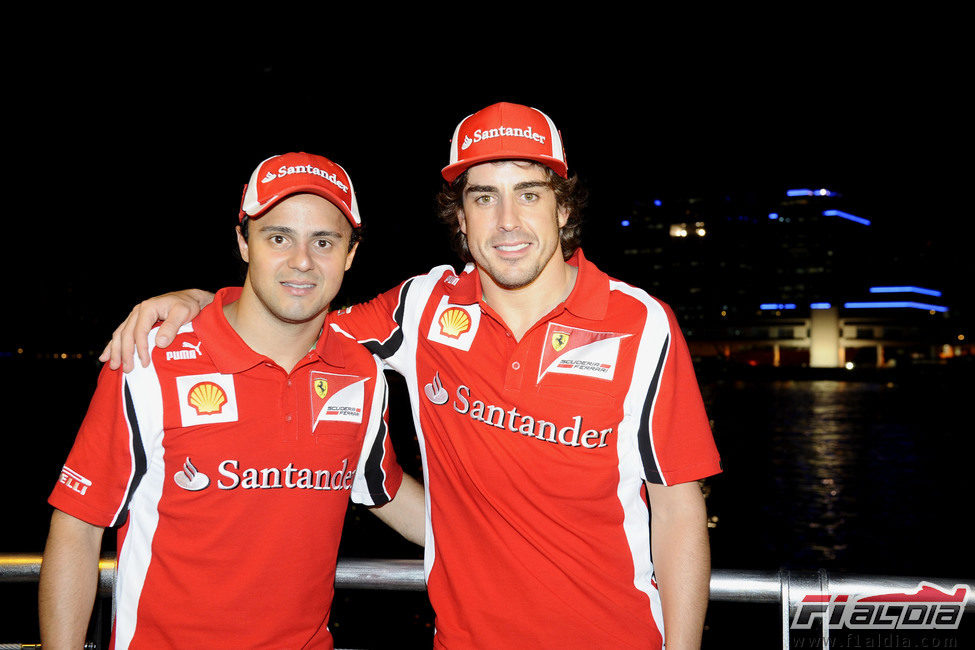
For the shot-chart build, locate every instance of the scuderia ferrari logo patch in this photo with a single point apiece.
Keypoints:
(336, 398)
(575, 351)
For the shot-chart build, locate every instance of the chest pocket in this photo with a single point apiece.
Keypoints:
(572, 395)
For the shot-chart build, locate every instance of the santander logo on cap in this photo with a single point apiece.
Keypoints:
(287, 170)
(279, 177)
(505, 131)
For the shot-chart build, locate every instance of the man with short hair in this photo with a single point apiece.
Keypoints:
(553, 403)
(228, 461)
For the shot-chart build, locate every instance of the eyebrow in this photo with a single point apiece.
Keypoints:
(286, 230)
(524, 185)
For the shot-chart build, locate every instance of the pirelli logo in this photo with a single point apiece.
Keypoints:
(73, 480)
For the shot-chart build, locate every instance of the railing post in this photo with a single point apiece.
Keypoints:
(824, 590)
(794, 588)
(785, 604)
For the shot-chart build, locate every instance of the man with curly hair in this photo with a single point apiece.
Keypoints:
(557, 409)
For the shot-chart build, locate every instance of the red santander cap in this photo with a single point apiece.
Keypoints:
(505, 131)
(280, 176)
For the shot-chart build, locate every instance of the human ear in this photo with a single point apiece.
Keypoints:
(242, 245)
(351, 255)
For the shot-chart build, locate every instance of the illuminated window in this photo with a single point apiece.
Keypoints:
(678, 230)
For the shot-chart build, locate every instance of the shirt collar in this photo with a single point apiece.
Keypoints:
(589, 297)
(228, 351)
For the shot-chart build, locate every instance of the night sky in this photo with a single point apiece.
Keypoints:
(127, 165)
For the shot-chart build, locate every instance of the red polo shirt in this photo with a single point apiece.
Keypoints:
(230, 478)
(535, 453)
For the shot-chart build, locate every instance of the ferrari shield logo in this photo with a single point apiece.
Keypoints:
(559, 341)
(321, 387)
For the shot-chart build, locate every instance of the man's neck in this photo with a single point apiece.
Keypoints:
(283, 343)
(520, 308)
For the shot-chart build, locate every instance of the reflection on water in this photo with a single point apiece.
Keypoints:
(844, 475)
(816, 445)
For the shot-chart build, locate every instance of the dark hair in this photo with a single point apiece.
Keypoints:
(569, 195)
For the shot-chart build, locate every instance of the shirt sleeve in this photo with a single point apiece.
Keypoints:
(676, 442)
(388, 324)
(107, 459)
(379, 475)
(376, 324)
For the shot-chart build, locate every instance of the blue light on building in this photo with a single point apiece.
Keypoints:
(820, 305)
(897, 304)
(625, 223)
(926, 292)
(847, 216)
(806, 192)
(776, 306)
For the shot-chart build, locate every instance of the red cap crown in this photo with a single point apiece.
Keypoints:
(279, 177)
(505, 131)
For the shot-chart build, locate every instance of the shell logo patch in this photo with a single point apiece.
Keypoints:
(575, 351)
(453, 325)
(337, 398)
(321, 387)
(454, 322)
(206, 399)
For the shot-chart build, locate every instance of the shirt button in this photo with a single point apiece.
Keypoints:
(287, 418)
(516, 365)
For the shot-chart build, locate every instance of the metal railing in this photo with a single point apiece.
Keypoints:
(786, 588)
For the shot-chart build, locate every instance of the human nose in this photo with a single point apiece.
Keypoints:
(509, 217)
(300, 258)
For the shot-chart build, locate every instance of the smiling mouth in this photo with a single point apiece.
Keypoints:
(512, 248)
(298, 285)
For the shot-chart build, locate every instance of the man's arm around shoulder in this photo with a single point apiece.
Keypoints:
(175, 309)
(69, 581)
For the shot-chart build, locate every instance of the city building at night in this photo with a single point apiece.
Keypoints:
(793, 278)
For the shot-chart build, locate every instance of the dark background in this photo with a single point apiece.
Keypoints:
(126, 158)
(125, 163)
